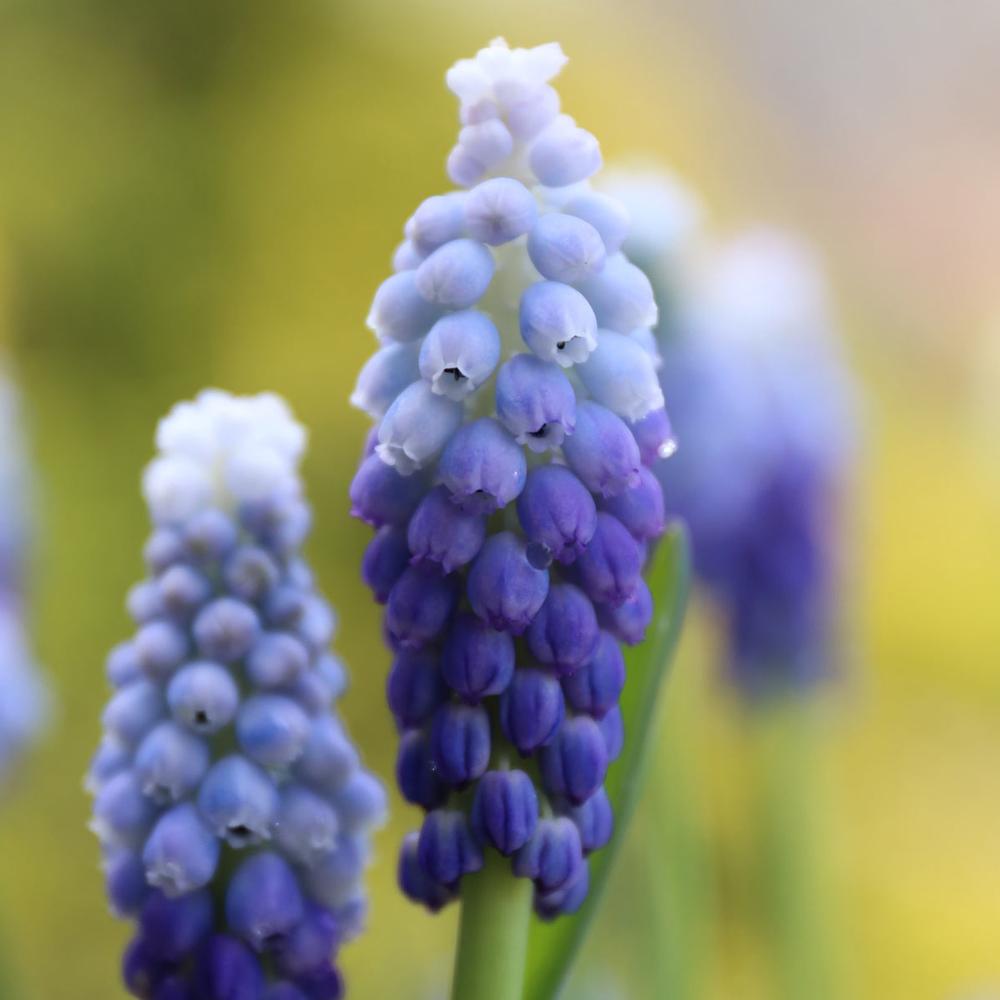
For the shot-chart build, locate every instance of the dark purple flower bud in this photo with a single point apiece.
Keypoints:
(602, 451)
(505, 810)
(532, 709)
(263, 902)
(575, 762)
(566, 900)
(564, 632)
(173, 928)
(440, 532)
(142, 970)
(310, 944)
(125, 881)
(227, 969)
(594, 689)
(553, 856)
(225, 630)
(416, 884)
(557, 512)
(477, 661)
(380, 495)
(640, 508)
(446, 848)
(384, 560)
(595, 821)
(655, 436)
(284, 990)
(504, 588)
(175, 987)
(460, 743)
(324, 983)
(610, 566)
(415, 687)
(535, 402)
(613, 731)
(483, 467)
(416, 775)
(420, 605)
(629, 621)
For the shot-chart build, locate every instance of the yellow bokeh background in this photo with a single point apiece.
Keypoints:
(199, 193)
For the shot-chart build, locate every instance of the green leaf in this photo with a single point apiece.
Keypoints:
(553, 946)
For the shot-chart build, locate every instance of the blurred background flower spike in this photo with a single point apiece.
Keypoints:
(232, 810)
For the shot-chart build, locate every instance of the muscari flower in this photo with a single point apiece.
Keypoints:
(762, 404)
(517, 411)
(233, 812)
(23, 700)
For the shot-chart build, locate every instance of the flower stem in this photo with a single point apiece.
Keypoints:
(492, 934)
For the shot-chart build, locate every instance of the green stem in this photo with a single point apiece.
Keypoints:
(790, 828)
(492, 933)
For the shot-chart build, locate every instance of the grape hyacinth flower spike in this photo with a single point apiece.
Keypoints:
(232, 810)
(517, 411)
(23, 700)
(764, 404)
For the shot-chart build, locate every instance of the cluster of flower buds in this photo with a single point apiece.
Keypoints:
(22, 696)
(232, 810)
(763, 404)
(518, 413)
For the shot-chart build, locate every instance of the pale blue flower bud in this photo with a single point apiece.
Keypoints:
(535, 402)
(620, 375)
(565, 248)
(456, 275)
(607, 215)
(203, 697)
(416, 427)
(557, 323)
(564, 154)
(621, 296)
(499, 210)
(438, 220)
(385, 375)
(399, 312)
(460, 353)
(239, 801)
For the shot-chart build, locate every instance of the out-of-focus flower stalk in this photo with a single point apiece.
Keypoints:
(762, 406)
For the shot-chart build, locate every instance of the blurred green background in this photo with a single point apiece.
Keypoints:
(208, 191)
